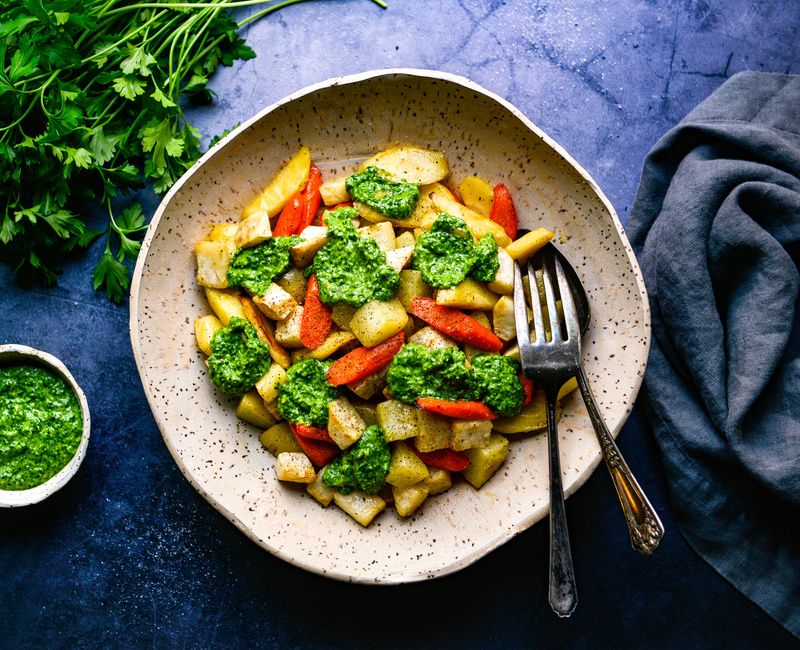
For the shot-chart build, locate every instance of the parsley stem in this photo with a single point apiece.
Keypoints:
(268, 11)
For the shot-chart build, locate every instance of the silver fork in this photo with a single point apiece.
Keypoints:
(551, 363)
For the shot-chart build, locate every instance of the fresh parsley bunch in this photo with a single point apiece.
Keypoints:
(92, 97)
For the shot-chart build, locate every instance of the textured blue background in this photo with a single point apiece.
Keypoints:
(128, 554)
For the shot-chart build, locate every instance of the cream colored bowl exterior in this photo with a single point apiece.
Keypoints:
(11, 354)
(345, 119)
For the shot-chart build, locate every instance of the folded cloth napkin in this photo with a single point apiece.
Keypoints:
(716, 228)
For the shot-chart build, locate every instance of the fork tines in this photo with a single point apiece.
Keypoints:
(548, 263)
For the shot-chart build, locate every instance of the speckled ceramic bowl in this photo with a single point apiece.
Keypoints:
(343, 120)
(22, 354)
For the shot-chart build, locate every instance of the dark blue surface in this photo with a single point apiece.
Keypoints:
(128, 554)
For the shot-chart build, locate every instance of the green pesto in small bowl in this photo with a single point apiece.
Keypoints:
(41, 425)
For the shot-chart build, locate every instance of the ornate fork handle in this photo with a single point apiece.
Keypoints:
(644, 526)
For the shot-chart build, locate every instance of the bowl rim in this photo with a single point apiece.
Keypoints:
(213, 151)
(20, 498)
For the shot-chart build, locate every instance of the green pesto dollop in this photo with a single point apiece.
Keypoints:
(417, 371)
(255, 268)
(351, 268)
(447, 254)
(376, 188)
(486, 261)
(41, 426)
(238, 357)
(363, 466)
(305, 394)
(497, 384)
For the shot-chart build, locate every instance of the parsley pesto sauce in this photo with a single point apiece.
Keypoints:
(255, 268)
(363, 466)
(447, 254)
(238, 357)
(305, 394)
(351, 268)
(417, 371)
(375, 187)
(41, 426)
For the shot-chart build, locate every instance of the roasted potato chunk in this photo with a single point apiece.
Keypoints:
(431, 338)
(485, 461)
(276, 303)
(361, 507)
(398, 420)
(288, 181)
(225, 304)
(335, 342)
(411, 164)
(411, 286)
(406, 468)
(377, 321)
(477, 194)
(222, 231)
(288, 330)
(252, 409)
(433, 431)
(268, 385)
(438, 481)
(345, 425)
(477, 223)
(293, 282)
(253, 230)
(370, 385)
(213, 258)
(399, 257)
(503, 319)
(408, 499)
(404, 239)
(319, 490)
(469, 294)
(503, 282)
(204, 330)
(314, 238)
(342, 314)
(382, 233)
(278, 439)
(468, 434)
(529, 243)
(294, 467)
(334, 191)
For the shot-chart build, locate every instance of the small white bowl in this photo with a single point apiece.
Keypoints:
(10, 354)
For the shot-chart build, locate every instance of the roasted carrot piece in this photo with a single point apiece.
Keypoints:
(527, 386)
(310, 198)
(317, 321)
(265, 332)
(310, 431)
(460, 409)
(362, 362)
(503, 212)
(290, 218)
(319, 452)
(455, 324)
(447, 459)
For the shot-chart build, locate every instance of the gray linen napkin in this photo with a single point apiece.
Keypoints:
(716, 228)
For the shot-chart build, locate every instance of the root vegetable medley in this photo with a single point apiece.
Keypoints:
(367, 324)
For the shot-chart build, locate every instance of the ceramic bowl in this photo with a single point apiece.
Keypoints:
(22, 354)
(344, 120)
